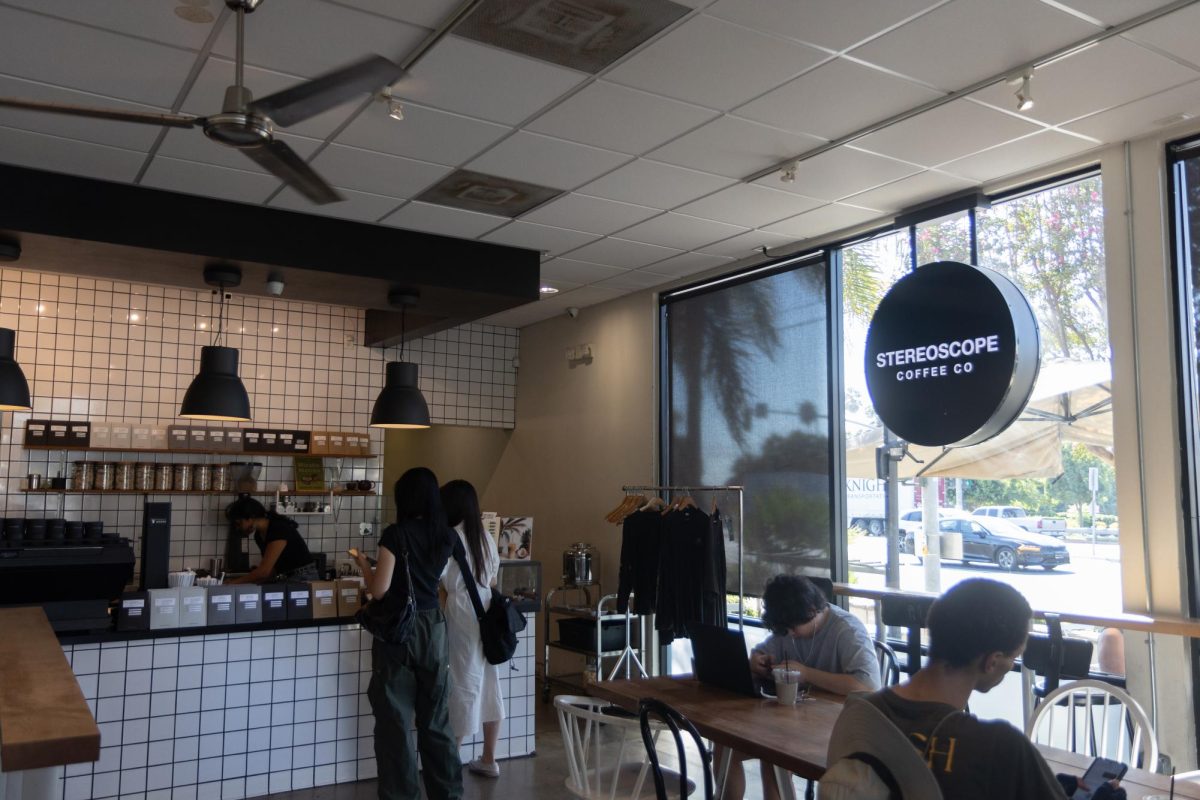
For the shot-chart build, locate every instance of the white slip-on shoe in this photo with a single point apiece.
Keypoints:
(485, 768)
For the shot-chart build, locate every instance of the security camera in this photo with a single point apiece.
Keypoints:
(572, 312)
(275, 284)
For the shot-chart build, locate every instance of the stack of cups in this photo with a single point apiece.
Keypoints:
(185, 578)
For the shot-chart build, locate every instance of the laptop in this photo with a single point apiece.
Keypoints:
(719, 658)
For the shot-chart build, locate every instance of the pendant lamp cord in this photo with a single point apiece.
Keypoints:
(402, 327)
(220, 316)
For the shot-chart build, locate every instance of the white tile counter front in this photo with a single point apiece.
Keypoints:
(233, 715)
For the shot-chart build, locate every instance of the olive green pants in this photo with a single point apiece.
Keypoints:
(409, 688)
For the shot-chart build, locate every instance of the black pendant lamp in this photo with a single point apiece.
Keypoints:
(14, 389)
(217, 392)
(401, 404)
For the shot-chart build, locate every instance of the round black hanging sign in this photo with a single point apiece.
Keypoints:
(952, 355)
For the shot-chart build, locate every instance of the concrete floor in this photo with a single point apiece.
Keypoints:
(538, 777)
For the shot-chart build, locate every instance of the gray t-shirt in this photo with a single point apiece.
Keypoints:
(841, 645)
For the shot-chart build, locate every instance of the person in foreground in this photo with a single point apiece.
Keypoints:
(977, 629)
(476, 698)
(410, 683)
(829, 647)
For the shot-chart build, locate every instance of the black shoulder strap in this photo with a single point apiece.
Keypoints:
(880, 769)
(460, 555)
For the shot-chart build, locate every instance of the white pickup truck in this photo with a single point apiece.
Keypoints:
(1018, 516)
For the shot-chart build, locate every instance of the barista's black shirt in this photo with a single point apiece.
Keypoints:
(429, 549)
(295, 552)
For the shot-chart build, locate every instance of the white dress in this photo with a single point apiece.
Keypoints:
(474, 683)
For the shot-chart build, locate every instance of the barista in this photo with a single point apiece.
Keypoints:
(285, 556)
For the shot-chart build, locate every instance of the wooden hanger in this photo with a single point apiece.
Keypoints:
(630, 504)
(654, 504)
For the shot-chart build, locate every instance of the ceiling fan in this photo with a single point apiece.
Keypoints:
(249, 124)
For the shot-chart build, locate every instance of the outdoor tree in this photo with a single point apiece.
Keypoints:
(1071, 488)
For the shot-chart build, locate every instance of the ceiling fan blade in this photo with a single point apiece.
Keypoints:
(327, 91)
(146, 117)
(283, 162)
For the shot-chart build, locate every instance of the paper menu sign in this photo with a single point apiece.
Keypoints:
(515, 540)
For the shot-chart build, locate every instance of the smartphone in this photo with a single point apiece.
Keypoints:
(1101, 771)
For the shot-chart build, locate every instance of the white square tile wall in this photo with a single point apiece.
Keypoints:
(243, 714)
(114, 351)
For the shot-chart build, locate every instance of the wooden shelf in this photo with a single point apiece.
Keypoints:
(303, 493)
(232, 453)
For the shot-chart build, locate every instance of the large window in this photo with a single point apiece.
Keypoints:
(747, 374)
(1007, 505)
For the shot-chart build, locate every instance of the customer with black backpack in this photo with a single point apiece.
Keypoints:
(410, 682)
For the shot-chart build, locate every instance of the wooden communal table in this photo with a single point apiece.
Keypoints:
(45, 722)
(791, 738)
(1138, 784)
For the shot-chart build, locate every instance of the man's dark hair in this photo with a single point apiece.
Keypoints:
(975, 618)
(790, 600)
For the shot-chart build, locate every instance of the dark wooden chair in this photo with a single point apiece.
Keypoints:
(909, 613)
(675, 722)
(889, 665)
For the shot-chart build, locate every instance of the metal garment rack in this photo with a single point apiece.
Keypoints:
(740, 491)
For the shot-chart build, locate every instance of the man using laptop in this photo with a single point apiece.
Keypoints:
(976, 630)
(829, 647)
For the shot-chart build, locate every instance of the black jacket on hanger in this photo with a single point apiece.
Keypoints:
(684, 551)
(640, 535)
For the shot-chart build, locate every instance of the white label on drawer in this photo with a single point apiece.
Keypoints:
(165, 602)
(196, 602)
(324, 596)
(270, 596)
(300, 599)
(221, 598)
(134, 612)
(134, 603)
(249, 601)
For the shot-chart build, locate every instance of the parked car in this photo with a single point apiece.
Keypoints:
(1018, 516)
(1005, 544)
(911, 523)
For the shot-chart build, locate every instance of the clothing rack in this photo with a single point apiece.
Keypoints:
(740, 491)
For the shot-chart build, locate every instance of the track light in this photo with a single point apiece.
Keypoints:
(1024, 93)
(395, 107)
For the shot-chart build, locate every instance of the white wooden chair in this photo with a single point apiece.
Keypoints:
(1095, 719)
(606, 759)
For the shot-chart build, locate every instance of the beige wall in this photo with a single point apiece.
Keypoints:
(451, 451)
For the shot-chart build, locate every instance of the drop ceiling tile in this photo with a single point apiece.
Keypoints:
(1106, 75)
(749, 205)
(432, 218)
(653, 184)
(1109, 12)
(945, 133)
(748, 244)
(156, 21)
(734, 147)
(592, 214)
(98, 131)
(690, 264)
(964, 41)
(189, 177)
(714, 64)
(425, 134)
(839, 172)
(619, 118)
(207, 95)
(192, 145)
(680, 231)
(1174, 34)
(635, 280)
(376, 173)
(69, 156)
(826, 219)
(359, 206)
(1023, 154)
(623, 253)
(835, 26)
(484, 82)
(577, 271)
(911, 191)
(426, 13)
(586, 296)
(546, 161)
(550, 241)
(1142, 116)
(88, 59)
(836, 98)
(310, 37)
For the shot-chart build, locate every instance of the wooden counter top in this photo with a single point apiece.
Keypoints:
(44, 720)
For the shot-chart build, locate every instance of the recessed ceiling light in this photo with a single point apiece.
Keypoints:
(548, 290)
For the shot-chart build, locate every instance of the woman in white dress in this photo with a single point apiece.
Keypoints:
(475, 698)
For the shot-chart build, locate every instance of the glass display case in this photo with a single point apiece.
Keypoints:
(522, 581)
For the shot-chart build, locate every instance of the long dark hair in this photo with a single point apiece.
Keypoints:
(462, 505)
(418, 500)
(246, 507)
